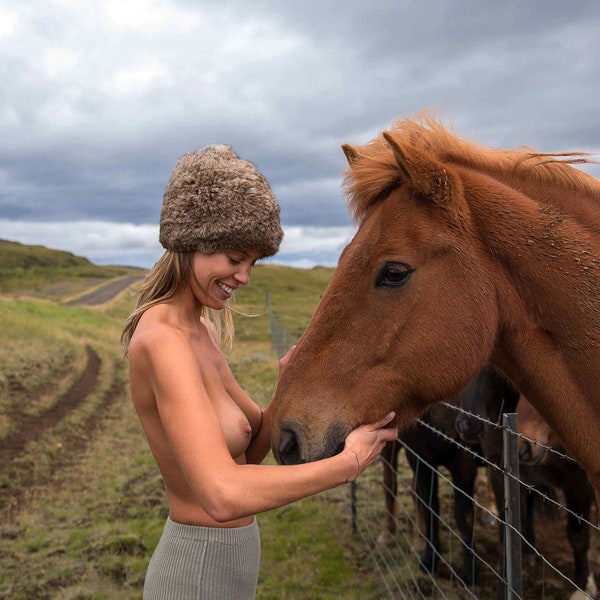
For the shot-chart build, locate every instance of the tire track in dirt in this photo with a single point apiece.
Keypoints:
(14, 494)
(33, 427)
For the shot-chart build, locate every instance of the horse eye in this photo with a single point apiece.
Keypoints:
(393, 275)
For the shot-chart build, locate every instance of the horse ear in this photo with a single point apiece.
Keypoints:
(351, 153)
(429, 177)
(399, 155)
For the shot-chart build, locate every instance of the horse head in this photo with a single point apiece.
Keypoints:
(482, 401)
(410, 314)
(536, 436)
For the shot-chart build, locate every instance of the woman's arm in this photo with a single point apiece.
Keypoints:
(225, 489)
(257, 488)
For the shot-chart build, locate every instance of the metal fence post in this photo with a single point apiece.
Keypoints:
(281, 337)
(512, 509)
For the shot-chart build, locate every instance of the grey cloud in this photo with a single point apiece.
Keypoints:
(97, 112)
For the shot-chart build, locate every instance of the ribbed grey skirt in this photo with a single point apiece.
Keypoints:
(204, 563)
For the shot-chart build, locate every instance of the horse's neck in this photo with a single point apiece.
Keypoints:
(567, 399)
(549, 297)
(549, 258)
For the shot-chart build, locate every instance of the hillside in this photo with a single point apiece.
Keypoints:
(14, 255)
(53, 274)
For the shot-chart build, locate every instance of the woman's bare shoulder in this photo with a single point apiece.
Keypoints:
(155, 335)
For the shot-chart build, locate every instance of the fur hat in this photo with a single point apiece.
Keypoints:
(217, 201)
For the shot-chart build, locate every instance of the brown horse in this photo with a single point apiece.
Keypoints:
(537, 437)
(464, 254)
(544, 465)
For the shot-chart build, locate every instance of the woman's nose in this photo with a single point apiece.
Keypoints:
(243, 275)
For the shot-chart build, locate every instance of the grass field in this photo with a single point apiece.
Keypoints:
(81, 500)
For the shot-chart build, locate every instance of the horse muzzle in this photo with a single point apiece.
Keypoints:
(530, 453)
(469, 429)
(296, 444)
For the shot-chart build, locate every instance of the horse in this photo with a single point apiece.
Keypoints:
(426, 450)
(482, 403)
(545, 465)
(463, 255)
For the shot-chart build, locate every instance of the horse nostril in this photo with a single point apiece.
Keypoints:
(294, 446)
(289, 450)
(469, 430)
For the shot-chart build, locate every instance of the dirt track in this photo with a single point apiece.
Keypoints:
(104, 293)
(33, 428)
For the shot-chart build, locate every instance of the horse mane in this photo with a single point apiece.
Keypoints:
(374, 173)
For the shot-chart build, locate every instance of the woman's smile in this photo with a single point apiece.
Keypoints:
(228, 290)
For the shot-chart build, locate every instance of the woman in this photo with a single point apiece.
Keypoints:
(208, 437)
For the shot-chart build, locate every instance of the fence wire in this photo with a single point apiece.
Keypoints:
(397, 562)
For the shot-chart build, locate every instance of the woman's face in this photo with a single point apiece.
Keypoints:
(216, 276)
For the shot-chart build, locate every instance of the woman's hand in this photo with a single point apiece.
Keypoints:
(367, 441)
(283, 361)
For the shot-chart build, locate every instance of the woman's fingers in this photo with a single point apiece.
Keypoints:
(283, 361)
(383, 422)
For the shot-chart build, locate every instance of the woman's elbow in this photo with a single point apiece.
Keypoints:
(222, 513)
(224, 505)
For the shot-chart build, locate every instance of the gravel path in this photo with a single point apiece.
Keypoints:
(106, 292)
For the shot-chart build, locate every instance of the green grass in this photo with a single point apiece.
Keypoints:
(84, 504)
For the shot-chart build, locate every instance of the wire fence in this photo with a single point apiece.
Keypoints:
(527, 544)
(501, 569)
(281, 337)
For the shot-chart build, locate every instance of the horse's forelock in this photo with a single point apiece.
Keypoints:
(374, 173)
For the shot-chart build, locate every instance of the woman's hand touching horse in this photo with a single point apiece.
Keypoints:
(367, 441)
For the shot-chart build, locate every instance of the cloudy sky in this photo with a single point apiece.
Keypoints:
(100, 97)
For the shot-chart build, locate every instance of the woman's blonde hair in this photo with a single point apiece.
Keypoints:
(168, 276)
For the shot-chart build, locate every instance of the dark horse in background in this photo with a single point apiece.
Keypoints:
(488, 396)
(426, 451)
(482, 403)
(464, 255)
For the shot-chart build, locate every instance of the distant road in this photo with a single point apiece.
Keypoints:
(106, 292)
